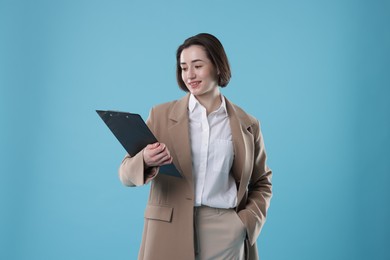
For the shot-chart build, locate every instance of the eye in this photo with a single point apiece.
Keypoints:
(184, 69)
(198, 66)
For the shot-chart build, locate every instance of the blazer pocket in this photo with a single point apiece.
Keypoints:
(156, 212)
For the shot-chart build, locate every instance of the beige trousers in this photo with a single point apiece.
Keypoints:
(219, 234)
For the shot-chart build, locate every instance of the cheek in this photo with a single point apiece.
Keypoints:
(183, 76)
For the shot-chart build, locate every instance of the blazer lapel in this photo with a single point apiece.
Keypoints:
(179, 137)
(242, 143)
(243, 147)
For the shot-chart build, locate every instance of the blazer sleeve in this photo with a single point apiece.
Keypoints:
(259, 190)
(132, 171)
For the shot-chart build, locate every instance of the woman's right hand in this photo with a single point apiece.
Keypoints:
(156, 154)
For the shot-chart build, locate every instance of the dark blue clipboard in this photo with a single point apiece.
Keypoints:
(133, 134)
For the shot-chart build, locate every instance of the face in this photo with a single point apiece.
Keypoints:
(198, 72)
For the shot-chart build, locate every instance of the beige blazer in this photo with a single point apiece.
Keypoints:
(168, 229)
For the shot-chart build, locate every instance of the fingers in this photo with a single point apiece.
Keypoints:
(165, 160)
(157, 150)
(168, 161)
(157, 154)
(153, 149)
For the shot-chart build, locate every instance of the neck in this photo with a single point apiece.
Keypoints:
(211, 101)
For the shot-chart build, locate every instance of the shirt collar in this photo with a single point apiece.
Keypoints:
(223, 106)
(193, 102)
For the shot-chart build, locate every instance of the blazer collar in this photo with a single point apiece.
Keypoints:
(243, 118)
(179, 111)
(179, 137)
(243, 144)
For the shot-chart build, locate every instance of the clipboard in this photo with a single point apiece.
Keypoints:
(133, 134)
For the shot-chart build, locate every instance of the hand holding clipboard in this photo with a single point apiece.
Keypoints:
(134, 135)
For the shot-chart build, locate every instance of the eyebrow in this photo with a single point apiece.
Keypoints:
(183, 63)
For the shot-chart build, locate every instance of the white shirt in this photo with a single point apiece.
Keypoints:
(212, 156)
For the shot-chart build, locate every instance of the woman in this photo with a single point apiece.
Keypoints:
(218, 207)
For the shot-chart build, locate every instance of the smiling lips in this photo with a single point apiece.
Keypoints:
(194, 84)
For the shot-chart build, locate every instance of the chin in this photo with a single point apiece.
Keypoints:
(195, 92)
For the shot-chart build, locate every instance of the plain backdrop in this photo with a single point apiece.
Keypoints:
(315, 73)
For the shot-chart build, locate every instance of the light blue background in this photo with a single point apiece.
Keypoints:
(316, 74)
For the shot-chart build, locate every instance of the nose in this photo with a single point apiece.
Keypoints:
(191, 73)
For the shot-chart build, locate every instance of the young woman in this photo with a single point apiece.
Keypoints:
(218, 207)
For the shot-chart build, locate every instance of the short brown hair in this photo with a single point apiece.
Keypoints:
(215, 52)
